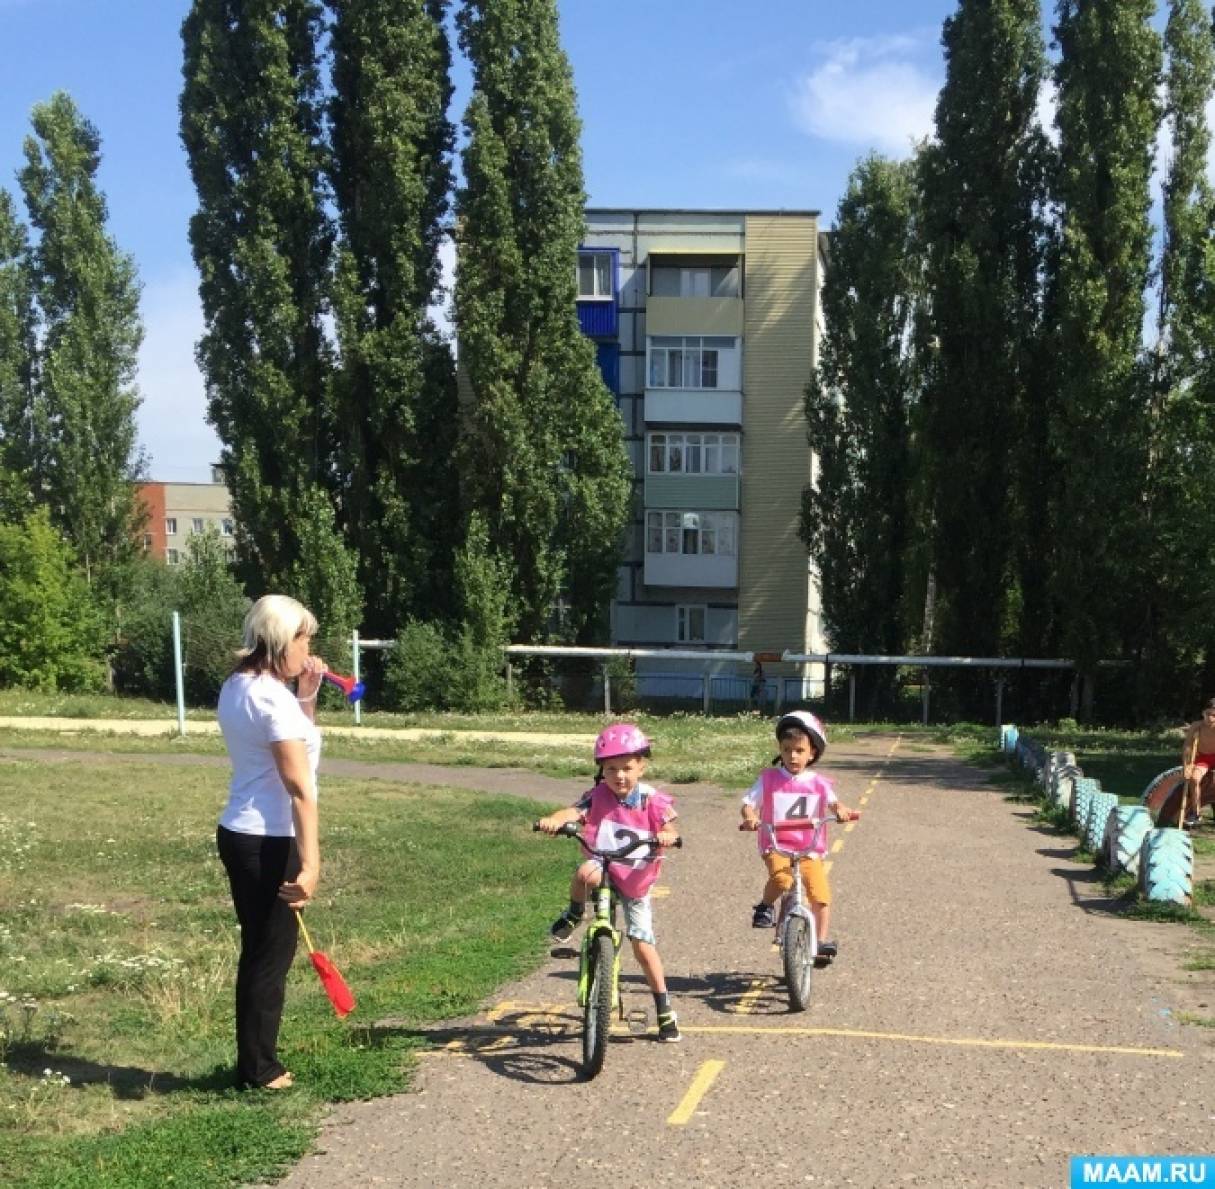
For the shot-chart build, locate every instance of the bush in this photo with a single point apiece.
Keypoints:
(429, 671)
(50, 631)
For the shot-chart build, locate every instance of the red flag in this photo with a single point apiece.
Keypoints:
(331, 980)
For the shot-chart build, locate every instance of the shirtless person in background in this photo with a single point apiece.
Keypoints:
(1197, 759)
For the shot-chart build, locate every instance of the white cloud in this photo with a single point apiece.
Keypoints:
(172, 418)
(873, 92)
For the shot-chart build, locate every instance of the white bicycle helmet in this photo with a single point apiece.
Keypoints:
(805, 721)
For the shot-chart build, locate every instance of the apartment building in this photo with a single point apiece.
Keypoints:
(706, 325)
(177, 510)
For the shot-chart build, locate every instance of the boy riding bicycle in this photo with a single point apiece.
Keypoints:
(617, 809)
(787, 797)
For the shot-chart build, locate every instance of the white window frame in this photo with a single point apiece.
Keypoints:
(685, 614)
(226, 527)
(691, 534)
(170, 526)
(599, 261)
(198, 524)
(172, 557)
(692, 450)
(685, 358)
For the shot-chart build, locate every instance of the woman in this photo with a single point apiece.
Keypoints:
(267, 834)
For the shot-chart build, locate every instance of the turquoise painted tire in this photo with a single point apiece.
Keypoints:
(1124, 831)
(1166, 867)
(1100, 806)
(1064, 783)
(1082, 793)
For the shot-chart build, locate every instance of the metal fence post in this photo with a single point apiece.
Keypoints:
(924, 695)
(510, 681)
(354, 652)
(852, 695)
(999, 701)
(607, 691)
(179, 675)
(706, 692)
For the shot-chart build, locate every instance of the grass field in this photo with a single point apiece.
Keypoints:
(117, 947)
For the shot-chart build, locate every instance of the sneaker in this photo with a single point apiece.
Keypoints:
(763, 916)
(562, 929)
(668, 1029)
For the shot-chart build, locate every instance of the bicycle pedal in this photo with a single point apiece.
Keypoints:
(638, 1022)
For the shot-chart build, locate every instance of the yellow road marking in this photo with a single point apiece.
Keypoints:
(747, 1000)
(836, 845)
(959, 1041)
(849, 827)
(705, 1077)
(660, 890)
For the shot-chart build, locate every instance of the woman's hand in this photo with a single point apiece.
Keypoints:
(299, 891)
(310, 678)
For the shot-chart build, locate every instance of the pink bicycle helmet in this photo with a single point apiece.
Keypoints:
(620, 739)
(805, 721)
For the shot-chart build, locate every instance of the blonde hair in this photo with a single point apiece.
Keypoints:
(270, 626)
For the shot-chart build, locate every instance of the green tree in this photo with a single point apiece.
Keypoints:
(50, 634)
(541, 453)
(87, 297)
(251, 123)
(856, 517)
(394, 393)
(1108, 74)
(20, 431)
(1179, 611)
(983, 193)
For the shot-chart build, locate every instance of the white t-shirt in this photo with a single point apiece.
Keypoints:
(255, 710)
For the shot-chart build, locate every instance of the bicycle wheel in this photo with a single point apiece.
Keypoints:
(799, 961)
(597, 1015)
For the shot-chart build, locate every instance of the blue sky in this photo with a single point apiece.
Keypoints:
(701, 105)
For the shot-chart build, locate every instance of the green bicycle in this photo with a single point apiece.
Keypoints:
(599, 964)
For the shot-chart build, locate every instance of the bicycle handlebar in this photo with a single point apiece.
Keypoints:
(812, 823)
(570, 830)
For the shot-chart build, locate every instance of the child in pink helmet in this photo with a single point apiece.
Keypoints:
(620, 804)
(785, 797)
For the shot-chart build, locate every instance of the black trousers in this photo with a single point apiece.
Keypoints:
(257, 864)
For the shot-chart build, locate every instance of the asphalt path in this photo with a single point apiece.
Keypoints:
(991, 1013)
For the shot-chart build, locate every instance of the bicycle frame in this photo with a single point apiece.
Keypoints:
(793, 902)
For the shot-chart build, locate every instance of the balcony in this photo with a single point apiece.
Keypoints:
(712, 492)
(683, 569)
(694, 315)
(694, 406)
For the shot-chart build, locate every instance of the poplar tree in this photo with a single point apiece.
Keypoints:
(983, 185)
(1107, 75)
(856, 515)
(394, 395)
(19, 413)
(1178, 598)
(86, 295)
(251, 123)
(541, 451)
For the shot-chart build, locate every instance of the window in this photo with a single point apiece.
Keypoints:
(170, 526)
(690, 533)
(690, 625)
(595, 276)
(694, 280)
(226, 527)
(683, 362)
(197, 524)
(172, 556)
(693, 453)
